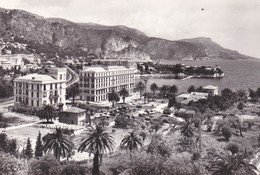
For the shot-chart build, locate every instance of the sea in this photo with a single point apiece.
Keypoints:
(239, 74)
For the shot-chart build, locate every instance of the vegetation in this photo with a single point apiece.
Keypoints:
(57, 143)
(73, 91)
(124, 93)
(140, 87)
(227, 132)
(97, 142)
(113, 96)
(48, 113)
(154, 87)
(131, 142)
(39, 147)
(28, 152)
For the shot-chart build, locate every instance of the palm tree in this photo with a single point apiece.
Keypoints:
(131, 142)
(186, 129)
(124, 93)
(113, 96)
(57, 143)
(154, 87)
(48, 112)
(72, 91)
(140, 87)
(230, 164)
(97, 141)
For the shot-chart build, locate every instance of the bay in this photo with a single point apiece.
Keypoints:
(239, 74)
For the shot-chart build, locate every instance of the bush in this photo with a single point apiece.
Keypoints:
(167, 111)
(123, 121)
(227, 132)
(10, 164)
(240, 106)
(233, 148)
(73, 168)
(138, 106)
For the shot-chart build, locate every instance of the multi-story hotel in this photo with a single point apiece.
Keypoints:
(34, 90)
(97, 81)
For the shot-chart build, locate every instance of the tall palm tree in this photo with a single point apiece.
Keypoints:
(186, 129)
(73, 91)
(131, 142)
(97, 141)
(154, 87)
(57, 143)
(230, 164)
(124, 93)
(140, 87)
(48, 112)
(113, 96)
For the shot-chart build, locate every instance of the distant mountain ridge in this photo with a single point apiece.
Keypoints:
(105, 41)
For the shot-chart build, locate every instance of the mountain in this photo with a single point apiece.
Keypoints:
(54, 35)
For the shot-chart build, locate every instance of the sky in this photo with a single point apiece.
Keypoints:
(234, 24)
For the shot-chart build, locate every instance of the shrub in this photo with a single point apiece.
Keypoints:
(167, 111)
(240, 106)
(233, 148)
(123, 121)
(138, 106)
(73, 168)
(159, 146)
(227, 132)
(10, 164)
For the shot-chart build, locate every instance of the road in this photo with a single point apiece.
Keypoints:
(73, 76)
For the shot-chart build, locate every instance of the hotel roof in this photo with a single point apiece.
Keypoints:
(36, 77)
(102, 69)
(74, 110)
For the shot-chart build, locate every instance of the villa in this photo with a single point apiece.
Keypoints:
(193, 96)
(33, 91)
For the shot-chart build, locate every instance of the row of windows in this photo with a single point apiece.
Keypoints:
(26, 101)
(25, 92)
(109, 73)
(38, 86)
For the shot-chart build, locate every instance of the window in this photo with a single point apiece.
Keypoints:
(31, 102)
(31, 94)
(44, 87)
(38, 95)
(56, 86)
(38, 87)
(60, 76)
(32, 86)
(37, 102)
(50, 86)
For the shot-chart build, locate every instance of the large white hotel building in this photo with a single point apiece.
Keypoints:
(34, 90)
(98, 80)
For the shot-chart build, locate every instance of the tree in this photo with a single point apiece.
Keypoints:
(48, 112)
(233, 148)
(73, 169)
(28, 152)
(97, 141)
(173, 90)
(57, 143)
(3, 142)
(9, 164)
(191, 89)
(172, 101)
(186, 129)
(159, 146)
(140, 87)
(227, 132)
(240, 106)
(241, 95)
(46, 165)
(164, 90)
(231, 164)
(124, 93)
(39, 147)
(154, 87)
(113, 96)
(131, 142)
(73, 91)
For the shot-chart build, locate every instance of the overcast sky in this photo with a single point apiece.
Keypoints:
(234, 24)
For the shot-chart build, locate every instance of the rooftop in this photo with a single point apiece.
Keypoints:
(36, 77)
(210, 87)
(74, 110)
(102, 69)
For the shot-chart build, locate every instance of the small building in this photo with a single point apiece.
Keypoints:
(211, 90)
(182, 97)
(193, 96)
(73, 115)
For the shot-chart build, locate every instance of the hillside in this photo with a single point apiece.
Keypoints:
(62, 37)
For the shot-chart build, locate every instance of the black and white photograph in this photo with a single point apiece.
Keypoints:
(129, 87)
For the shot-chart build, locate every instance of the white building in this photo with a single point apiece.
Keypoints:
(193, 96)
(35, 90)
(212, 90)
(97, 81)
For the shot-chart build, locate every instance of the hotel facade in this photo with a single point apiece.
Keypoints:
(33, 91)
(98, 80)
